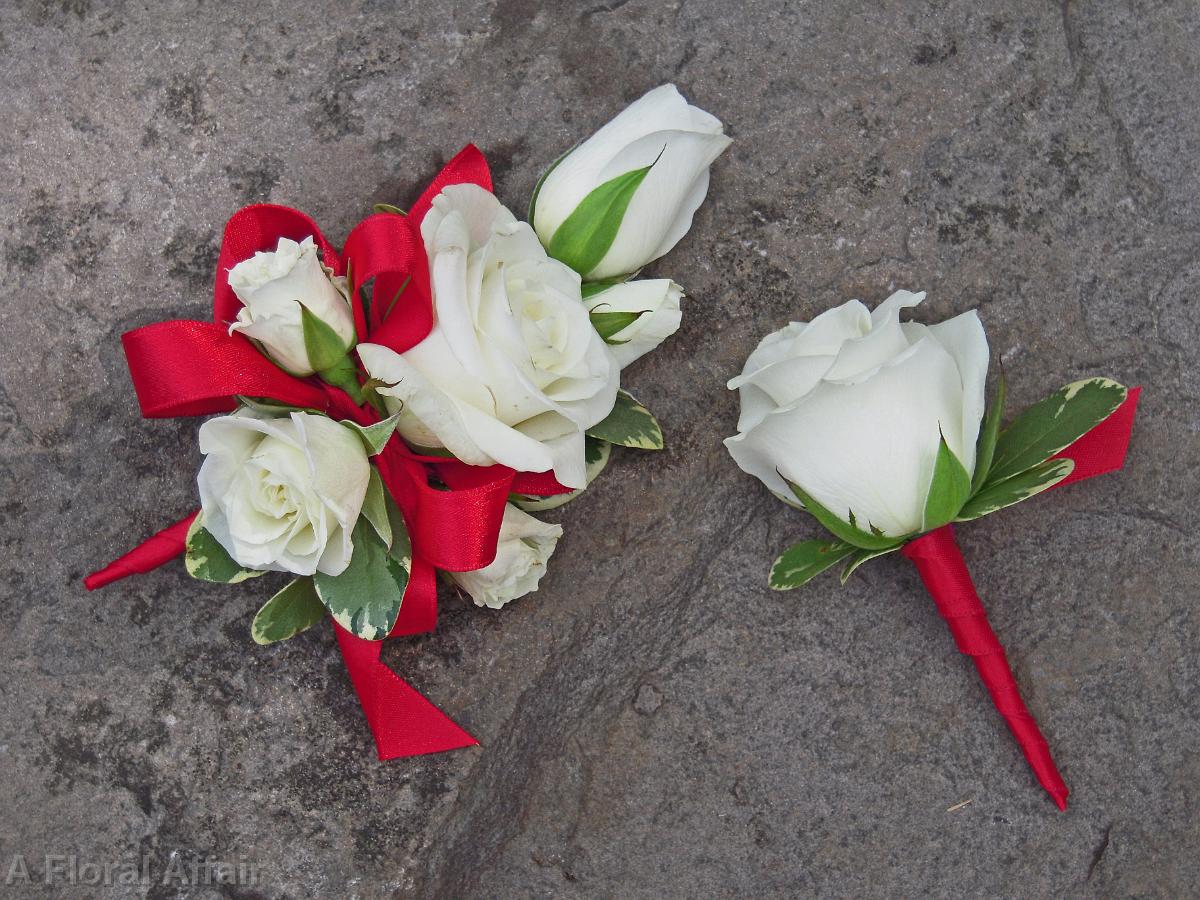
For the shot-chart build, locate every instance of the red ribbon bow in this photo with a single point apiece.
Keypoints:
(184, 368)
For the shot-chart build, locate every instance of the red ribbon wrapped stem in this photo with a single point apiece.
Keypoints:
(944, 571)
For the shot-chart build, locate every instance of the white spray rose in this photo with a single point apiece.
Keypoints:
(282, 494)
(521, 555)
(656, 299)
(273, 286)
(660, 130)
(850, 407)
(513, 371)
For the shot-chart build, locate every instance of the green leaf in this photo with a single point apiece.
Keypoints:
(586, 234)
(344, 375)
(388, 208)
(374, 437)
(374, 508)
(365, 599)
(395, 299)
(629, 425)
(850, 534)
(948, 488)
(205, 558)
(401, 545)
(322, 344)
(862, 556)
(1049, 426)
(271, 408)
(590, 289)
(288, 613)
(985, 450)
(537, 188)
(595, 457)
(1022, 486)
(802, 562)
(609, 323)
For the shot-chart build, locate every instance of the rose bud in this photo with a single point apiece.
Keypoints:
(282, 288)
(524, 548)
(634, 317)
(626, 195)
(852, 408)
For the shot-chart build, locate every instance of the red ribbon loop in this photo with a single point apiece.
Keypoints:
(385, 248)
(184, 368)
(258, 228)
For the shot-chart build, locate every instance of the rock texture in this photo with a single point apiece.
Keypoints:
(655, 722)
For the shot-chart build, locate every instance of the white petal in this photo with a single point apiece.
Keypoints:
(665, 194)
(578, 173)
(964, 338)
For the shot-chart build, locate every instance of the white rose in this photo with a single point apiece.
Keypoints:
(521, 555)
(282, 494)
(513, 371)
(273, 286)
(681, 142)
(656, 299)
(850, 407)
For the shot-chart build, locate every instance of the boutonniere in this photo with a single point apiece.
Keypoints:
(399, 407)
(878, 429)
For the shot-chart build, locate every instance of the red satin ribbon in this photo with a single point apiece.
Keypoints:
(198, 368)
(944, 571)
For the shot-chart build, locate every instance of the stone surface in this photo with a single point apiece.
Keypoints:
(655, 722)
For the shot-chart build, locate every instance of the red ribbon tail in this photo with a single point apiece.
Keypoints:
(402, 721)
(944, 572)
(1103, 449)
(150, 554)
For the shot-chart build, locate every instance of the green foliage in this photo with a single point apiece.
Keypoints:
(629, 425)
(205, 558)
(802, 562)
(292, 610)
(1051, 425)
(584, 237)
(365, 599)
(948, 489)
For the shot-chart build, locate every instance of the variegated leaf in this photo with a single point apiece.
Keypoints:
(862, 556)
(365, 599)
(205, 558)
(802, 562)
(289, 612)
(629, 425)
(1049, 426)
(1013, 490)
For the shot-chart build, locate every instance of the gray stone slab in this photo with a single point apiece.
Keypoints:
(654, 722)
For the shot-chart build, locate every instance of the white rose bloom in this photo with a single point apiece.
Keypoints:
(685, 140)
(658, 301)
(282, 494)
(525, 546)
(273, 286)
(850, 407)
(513, 371)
